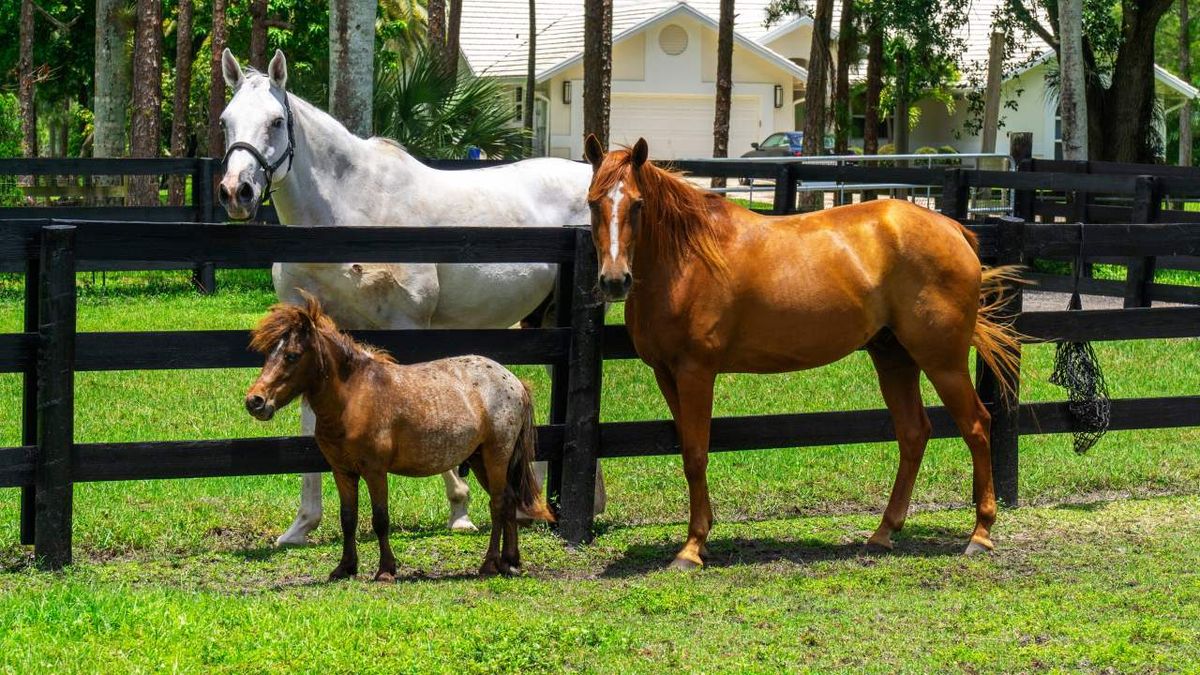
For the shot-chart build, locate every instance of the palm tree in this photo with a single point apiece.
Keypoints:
(351, 62)
(433, 116)
(183, 89)
(530, 75)
(597, 67)
(724, 85)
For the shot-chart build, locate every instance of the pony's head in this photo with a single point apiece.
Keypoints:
(290, 337)
(259, 140)
(616, 204)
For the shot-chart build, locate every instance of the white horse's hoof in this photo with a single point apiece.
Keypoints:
(297, 534)
(463, 524)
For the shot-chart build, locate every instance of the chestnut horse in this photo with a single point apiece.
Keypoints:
(716, 288)
(375, 416)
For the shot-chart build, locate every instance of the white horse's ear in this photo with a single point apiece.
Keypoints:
(277, 70)
(640, 152)
(231, 69)
(593, 152)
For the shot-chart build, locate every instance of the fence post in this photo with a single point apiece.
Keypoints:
(204, 275)
(582, 427)
(955, 194)
(559, 379)
(55, 397)
(1004, 409)
(1139, 274)
(29, 399)
(785, 189)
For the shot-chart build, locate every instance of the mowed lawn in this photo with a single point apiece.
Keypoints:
(181, 573)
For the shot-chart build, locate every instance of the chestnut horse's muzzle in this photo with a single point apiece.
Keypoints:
(615, 288)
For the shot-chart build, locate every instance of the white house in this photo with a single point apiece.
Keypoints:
(664, 74)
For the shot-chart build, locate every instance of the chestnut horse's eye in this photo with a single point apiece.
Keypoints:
(291, 358)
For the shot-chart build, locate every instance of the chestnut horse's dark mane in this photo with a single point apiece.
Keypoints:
(283, 319)
(678, 217)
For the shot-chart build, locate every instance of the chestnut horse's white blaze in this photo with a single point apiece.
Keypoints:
(321, 174)
(614, 220)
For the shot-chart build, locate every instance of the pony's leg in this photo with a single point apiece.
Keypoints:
(494, 477)
(458, 493)
(692, 422)
(377, 486)
(899, 380)
(974, 423)
(309, 515)
(347, 485)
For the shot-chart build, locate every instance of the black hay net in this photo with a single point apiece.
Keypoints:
(1077, 370)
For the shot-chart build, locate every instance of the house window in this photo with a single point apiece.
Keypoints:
(1058, 144)
(673, 40)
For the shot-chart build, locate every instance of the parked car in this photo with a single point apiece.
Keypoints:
(779, 144)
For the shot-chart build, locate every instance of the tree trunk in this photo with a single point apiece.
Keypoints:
(724, 85)
(112, 79)
(452, 42)
(818, 82)
(216, 92)
(597, 67)
(351, 63)
(530, 77)
(436, 12)
(183, 90)
(900, 117)
(1127, 111)
(874, 87)
(258, 35)
(145, 130)
(1072, 99)
(841, 86)
(26, 80)
(991, 96)
(1185, 71)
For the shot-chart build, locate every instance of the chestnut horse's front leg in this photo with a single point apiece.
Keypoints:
(693, 419)
(347, 485)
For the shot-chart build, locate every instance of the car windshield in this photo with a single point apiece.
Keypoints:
(774, 141)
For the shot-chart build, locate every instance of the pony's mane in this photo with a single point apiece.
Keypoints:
(283, 319)
(677, 217)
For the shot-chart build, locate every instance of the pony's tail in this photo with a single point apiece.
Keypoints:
(523, 488)
(998, 344)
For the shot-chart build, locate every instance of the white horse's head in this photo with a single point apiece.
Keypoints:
(259, 140)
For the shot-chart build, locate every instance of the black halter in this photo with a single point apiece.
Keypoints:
(269, 168)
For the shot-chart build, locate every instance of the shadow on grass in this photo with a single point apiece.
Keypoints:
(916, 541)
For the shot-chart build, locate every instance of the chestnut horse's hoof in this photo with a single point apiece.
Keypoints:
(978, 546)
(685, 564)
(873, 547)
(340, 573)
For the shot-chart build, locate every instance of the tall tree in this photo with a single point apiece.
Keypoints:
(819, 61)
(847, 48)
(26, 82)
(258, 35)
(724, 96)
(452, 38)
(436, 10)
(183, 93)
(145, 127)
(597, 67)
(1072, 95)
(352, 62)
(217, 41)
(112, 84)
(874, 83)
(530, 77)
(1185, 71)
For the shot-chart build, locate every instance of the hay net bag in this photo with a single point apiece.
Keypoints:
(1077, 370)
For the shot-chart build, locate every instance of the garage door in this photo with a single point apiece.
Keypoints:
(680, 127)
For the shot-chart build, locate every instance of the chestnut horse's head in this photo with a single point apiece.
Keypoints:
(259, 136)
(616, 204)
(291, 339)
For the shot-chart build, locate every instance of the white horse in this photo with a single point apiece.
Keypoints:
(318, 173)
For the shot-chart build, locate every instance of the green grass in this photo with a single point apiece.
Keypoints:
(180, 573)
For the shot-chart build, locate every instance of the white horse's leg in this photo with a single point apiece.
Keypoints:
(309, 515)
(459, 496)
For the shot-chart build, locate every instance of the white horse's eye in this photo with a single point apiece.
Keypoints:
(277, 122)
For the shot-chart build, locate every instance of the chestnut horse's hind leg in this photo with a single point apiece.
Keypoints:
(899, 380)
(377, 486)
(692, 422)
(974, 423)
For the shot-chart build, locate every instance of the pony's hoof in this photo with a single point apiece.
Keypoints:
(685, 564)
(489, 568)
(979, 546)
(385, 576)
(340, 573)
(463, 524)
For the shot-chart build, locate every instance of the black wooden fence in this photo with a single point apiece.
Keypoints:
(50, 351)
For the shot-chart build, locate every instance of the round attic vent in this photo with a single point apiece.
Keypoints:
(673, 40)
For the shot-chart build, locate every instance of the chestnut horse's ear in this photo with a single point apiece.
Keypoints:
(593, 152)
(640, 152)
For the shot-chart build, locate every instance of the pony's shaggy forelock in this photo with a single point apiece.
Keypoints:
(677, 216)
(284, 319)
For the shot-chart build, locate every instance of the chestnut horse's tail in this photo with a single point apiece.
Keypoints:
(994, 338)
(523, 488)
